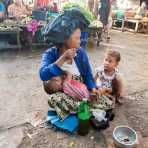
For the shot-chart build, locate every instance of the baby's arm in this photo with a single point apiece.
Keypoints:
(67, 76)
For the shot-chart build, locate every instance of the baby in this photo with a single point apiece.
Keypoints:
(107, 77)
(65, 83)
(56, 83)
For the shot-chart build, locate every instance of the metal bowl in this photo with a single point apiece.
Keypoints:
(124, 137)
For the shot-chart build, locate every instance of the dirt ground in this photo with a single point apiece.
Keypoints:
(23, 100)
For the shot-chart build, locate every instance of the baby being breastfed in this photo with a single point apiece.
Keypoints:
(56, 83)
(66, 84)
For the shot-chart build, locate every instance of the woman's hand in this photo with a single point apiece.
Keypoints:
(95, 92)
(70, 53)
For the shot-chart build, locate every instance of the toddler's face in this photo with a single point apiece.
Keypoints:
(110, 63)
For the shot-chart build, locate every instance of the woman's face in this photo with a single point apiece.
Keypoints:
(74, 40)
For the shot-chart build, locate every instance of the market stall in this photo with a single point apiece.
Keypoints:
(7, 31)
(27, 31)
(131, 19)
(29, 27)
(140, 25)
(22, 26)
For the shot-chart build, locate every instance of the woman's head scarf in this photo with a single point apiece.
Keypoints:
(64, 25)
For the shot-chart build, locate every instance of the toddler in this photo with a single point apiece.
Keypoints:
(107, 76)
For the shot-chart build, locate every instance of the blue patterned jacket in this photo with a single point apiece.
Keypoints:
(49, 69)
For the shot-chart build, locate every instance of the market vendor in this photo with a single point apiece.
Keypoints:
(2, 10)
(18, 10)
(65, 33)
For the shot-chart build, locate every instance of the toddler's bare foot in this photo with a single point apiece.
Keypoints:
(119, 100)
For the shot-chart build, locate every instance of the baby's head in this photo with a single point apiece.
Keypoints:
(53, 85)
(56, 83)
(111, 60)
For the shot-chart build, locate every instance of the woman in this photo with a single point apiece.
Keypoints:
(67, 55)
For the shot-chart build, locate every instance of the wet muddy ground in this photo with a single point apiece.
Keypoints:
(23, 100)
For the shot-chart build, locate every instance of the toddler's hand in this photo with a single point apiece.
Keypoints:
(109, 90)
(96, 91)
(105, 91)
(95, 94)
(102, 91)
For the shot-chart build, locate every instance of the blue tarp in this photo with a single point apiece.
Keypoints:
(69, 124)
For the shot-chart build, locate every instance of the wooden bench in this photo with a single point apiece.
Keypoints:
(12, 32)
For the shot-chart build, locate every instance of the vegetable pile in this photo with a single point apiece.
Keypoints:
(88, 14)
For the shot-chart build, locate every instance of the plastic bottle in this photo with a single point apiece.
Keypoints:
(83, 116)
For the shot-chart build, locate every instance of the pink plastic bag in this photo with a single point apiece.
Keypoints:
(75, 89)
(32, 27)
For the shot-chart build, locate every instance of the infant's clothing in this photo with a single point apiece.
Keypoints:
(75, 89)
(104, 80)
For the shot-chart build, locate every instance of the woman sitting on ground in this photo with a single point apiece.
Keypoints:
(66, 55)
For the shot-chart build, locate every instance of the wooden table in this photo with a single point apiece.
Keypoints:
(20, 31)
(114, 20)
(137, 22)
(13, 31)
(28, 37)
